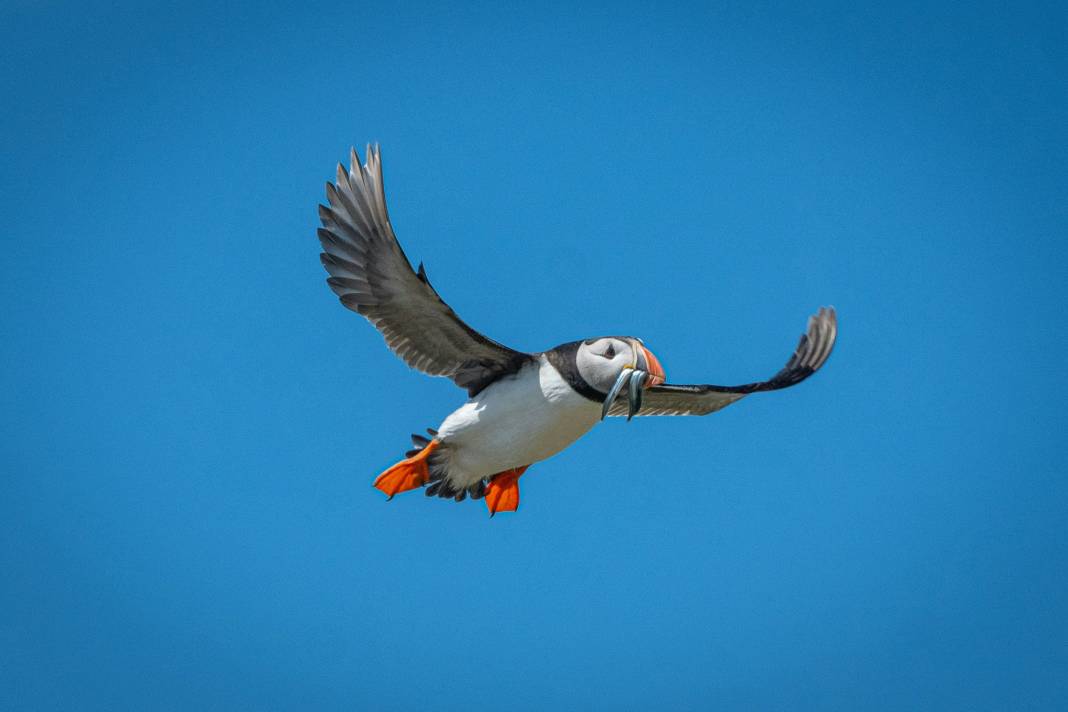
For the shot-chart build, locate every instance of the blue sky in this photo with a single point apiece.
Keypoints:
(192, 422)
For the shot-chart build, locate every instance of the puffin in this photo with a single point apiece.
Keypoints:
(521, 407)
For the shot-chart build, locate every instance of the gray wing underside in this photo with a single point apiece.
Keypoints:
(372, 276)
(811, 353)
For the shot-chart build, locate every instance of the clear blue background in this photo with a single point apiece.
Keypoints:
(190, 422)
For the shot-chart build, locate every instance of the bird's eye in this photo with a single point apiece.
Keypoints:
(609, 352)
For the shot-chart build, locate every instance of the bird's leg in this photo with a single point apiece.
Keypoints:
(409, 473)
(502, 493)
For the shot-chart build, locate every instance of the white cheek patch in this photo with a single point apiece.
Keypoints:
(597, 371)
(584, 362)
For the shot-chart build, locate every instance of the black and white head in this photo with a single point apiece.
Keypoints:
(611, 365)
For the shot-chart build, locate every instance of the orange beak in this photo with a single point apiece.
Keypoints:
(655, 370)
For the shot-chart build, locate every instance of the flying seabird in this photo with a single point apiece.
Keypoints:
(522, 407)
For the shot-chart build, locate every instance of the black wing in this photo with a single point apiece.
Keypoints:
(811, 353)
(371, 275)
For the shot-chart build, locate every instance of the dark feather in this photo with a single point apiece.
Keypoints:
(372, 276)
(811, 353)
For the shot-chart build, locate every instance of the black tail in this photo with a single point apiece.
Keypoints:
(436, 485)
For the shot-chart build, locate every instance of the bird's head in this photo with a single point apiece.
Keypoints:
(611, 364)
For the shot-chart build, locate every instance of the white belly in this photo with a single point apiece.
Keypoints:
(518, 420)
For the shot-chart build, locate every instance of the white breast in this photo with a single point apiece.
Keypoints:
(516, 421)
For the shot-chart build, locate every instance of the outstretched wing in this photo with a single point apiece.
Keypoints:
(811, 353)
(371, 275)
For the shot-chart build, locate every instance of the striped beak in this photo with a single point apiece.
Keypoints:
(652, 367)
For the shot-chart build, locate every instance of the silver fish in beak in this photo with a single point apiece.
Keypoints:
(634, 381)
(634, 393)
(646, 374)
(621, 381)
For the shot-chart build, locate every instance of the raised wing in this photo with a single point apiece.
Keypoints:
(811, 353)
(371, 275)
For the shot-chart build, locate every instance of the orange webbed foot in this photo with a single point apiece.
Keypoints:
(502, 492)
(408, 474)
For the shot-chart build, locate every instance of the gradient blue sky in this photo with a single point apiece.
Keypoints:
(191, 423)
